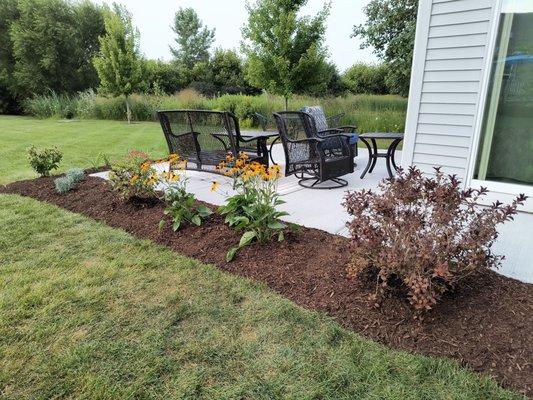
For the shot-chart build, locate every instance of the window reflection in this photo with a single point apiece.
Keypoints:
(506, 149)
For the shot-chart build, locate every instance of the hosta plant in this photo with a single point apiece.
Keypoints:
(253, 207)
(181, 205)
(44, 160)
(424, 232)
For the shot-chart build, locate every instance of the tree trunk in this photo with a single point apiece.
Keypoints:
(286, 103)
(128, 110)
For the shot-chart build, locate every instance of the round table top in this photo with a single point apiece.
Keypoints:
(381, 135)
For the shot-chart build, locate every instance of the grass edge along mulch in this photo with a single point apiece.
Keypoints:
(90, 311)
(437, 336)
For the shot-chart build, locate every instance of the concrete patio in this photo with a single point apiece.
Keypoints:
(312, 208)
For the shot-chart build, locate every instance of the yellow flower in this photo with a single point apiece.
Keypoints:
(214, 186)
(134, 179)
(145, 166)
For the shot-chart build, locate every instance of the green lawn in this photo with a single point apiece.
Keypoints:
(89, 312)
(83, 143)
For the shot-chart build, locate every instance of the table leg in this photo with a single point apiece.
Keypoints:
(393, 154)
(270, 150)
(262, 149)
(375, 158)
(370, 157)
(388, 159)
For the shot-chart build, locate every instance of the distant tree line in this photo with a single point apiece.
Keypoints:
(67, 46)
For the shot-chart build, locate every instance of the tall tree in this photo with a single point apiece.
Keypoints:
(390, 30)
(53, 44)
(119, 64)
(193, 39)
(8, 14)
(286, 53)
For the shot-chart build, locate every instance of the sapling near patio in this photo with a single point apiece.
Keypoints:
(253, 209)
(423, 232)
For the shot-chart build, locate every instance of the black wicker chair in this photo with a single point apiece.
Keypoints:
(314, 158)
(333, 124)
(204, 138)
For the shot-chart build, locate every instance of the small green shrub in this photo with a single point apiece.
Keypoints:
(64, 184)
(44, 160)
(68, 182)
(76, 174)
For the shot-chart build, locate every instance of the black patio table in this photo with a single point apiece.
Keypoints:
(373, 153)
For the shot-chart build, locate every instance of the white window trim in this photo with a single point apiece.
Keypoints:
(510, 190)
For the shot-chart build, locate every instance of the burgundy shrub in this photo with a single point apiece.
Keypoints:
(424, 232)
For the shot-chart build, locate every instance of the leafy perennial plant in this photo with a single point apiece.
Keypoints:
(253, 208)
(181, 205)
(134, 177)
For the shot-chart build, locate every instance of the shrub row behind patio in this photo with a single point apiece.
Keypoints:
(369, 112)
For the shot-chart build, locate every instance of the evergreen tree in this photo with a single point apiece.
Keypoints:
(193, 39)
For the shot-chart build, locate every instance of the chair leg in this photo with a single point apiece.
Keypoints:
(312, 182)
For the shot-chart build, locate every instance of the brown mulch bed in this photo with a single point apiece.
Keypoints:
(486, 325)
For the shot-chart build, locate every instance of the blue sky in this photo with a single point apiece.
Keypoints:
(154, 19)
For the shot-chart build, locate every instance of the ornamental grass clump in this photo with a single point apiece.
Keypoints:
(253, 208)
(425, 233)
(44, 160)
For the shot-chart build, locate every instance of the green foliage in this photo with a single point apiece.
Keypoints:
(133, 177)
(118, 63)
(68, 182)
(76, 174)
(369, 112)
(193, 39)
(253, 208)
(44, 160)
(161, 77)
(227, 73)
(285, 52)
(53, 42)
(52, 105)
(8, 14)
(64, 184)
(390, 30)
(181, 205)
(366, 79)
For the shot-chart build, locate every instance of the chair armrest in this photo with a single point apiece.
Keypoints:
(348, 128)
(328, 132)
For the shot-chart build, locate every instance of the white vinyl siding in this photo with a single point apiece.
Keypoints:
(454, 57)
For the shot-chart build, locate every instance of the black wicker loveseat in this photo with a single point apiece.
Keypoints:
(204, 138)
